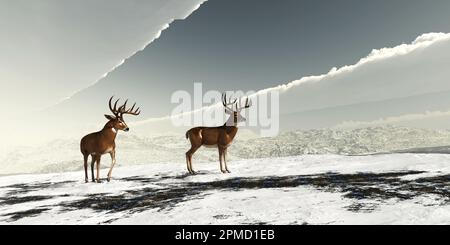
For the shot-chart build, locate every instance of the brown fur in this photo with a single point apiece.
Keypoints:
(220, 137)
(103, 142)
(100, 143)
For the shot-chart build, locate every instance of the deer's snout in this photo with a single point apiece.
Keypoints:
(126, 129)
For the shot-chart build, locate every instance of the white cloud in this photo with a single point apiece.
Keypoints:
(376, 56)
(421, 42)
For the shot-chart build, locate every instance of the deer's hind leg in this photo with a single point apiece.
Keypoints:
(86, 177)
(92, 167)
(189, 155)
(97, 160)
(188, 163)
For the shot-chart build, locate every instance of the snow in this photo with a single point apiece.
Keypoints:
(309, 189)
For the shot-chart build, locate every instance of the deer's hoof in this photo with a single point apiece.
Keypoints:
(228, 171)
(99, 181)
(108, 179)
(87, 181)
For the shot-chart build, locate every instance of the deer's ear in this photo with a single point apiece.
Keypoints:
(109, 117)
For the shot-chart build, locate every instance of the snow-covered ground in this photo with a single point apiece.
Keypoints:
(313, 189)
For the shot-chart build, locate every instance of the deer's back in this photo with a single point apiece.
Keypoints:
(94, 143)
(210, 136)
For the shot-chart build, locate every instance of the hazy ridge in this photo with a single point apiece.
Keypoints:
(63, 155)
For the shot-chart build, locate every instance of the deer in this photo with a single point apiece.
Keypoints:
(220, 137)
(103, 142)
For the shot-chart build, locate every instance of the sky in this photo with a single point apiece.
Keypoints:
(55, 49)
(404, 85)
(252, 45)
(52, 48)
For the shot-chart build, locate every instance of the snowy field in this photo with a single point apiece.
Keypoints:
(321, 189)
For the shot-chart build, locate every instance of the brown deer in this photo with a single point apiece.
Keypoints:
(103, 142)
(220, 137)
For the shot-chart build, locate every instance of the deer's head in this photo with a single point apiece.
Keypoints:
(116, 120)
(235, 110)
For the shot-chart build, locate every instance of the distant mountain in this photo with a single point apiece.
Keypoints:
(430, 110)
(63, 155)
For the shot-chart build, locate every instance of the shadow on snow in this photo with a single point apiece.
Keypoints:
(367, 190)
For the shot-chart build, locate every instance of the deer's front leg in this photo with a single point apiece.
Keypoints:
(220, 159)
(225, 160)
(113, 163)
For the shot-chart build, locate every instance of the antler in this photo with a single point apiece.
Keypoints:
(114, 109)
(248, 104)
(119, 112)
(228, 103)
(131, 111)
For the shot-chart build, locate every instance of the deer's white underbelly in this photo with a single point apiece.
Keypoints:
(214, 146)
(107, 151)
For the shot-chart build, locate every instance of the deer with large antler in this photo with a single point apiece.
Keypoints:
(220, 137)
(103, 142)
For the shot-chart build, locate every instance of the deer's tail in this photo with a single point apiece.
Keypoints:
(187, 135)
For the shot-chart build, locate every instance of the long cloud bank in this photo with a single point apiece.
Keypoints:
(422, 42)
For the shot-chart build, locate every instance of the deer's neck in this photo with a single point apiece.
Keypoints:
(110, 133)
(231, 131)
(231, 127)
